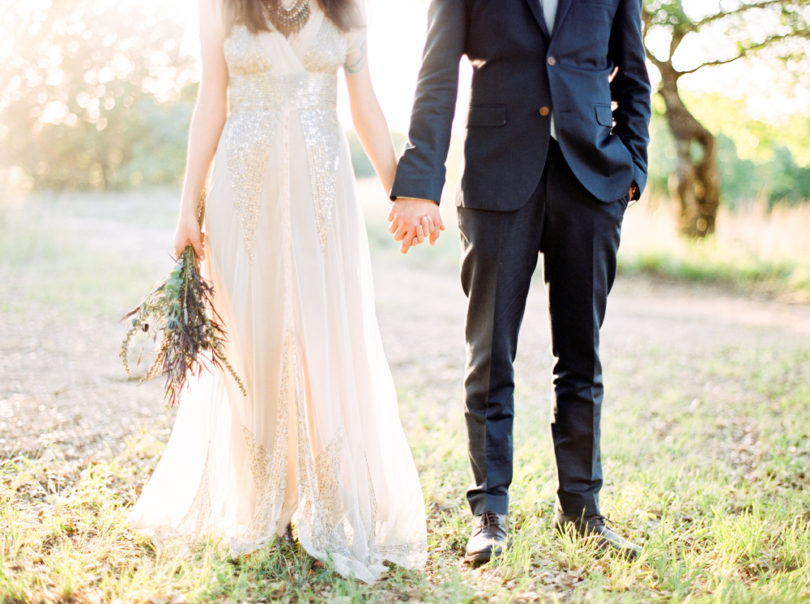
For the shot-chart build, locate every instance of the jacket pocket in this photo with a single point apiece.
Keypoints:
(604, 114)
(486, 116)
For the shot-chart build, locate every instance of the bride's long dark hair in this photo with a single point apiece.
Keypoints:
(343, 13)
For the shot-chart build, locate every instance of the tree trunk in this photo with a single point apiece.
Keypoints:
(696, 181)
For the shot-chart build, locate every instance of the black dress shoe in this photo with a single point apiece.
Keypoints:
(594, 527)
(488, 538)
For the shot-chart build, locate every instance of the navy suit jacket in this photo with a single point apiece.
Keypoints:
(590, 73)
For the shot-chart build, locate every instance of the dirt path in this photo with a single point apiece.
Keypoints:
(63, 391)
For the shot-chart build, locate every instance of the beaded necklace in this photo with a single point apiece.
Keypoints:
(291, 20)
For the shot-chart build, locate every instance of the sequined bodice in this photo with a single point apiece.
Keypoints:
(279, 89)
(257, 82)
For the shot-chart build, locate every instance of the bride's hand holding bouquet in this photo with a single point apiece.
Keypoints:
(189, 231)
(181, 312)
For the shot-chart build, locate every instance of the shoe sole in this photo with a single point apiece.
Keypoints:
(482, 557)
(477, 559)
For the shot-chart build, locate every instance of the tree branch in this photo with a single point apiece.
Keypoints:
(675, 41)
(659, 64)
(737, 11)
(745, 51)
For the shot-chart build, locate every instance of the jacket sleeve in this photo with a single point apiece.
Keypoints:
(421, 170)
(630, 88)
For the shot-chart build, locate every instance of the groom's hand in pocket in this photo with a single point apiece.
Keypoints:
(412, 220)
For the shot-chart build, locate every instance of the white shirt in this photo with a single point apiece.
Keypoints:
(550, 13)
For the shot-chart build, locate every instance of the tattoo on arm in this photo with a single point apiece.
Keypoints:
(356, 57)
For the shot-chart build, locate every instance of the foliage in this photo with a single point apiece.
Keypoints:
(790, 183)
(181, 312)
(777, 179)
(699, 262)
(742, 27)
(739, 28)
(86, 86)
(756, 159)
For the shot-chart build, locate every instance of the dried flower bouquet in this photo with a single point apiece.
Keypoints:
(182, 313)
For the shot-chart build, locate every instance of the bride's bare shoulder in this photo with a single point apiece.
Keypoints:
(361, 13)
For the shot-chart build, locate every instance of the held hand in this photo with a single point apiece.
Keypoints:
(412, 219)
(188, 232)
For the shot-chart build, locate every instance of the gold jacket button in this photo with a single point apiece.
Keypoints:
(544, 111)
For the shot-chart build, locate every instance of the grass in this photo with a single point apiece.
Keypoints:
(706, 460)
(49, 265)
(702, 261)
(719, 499)
(71, 542)
(755, 249)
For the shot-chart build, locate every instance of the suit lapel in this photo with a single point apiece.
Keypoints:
(534, 6)
(562, 9)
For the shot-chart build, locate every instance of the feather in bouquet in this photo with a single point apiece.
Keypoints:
(181, 312)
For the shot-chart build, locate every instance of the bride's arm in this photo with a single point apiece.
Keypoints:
(367, 116)
(372, 129)
(206, 125)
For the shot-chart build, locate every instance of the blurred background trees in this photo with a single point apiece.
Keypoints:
(738, 28)
(96, 94)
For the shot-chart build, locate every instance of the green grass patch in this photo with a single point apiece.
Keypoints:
(755, 249)
(717, 491)
(57, 268)
(699, 262)
(706, 461)
(74, 543)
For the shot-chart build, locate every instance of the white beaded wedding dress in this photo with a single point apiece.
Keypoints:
(317, 440)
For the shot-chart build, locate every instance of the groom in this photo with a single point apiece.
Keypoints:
(556, 147)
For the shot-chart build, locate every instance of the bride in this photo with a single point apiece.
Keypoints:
(317, 440)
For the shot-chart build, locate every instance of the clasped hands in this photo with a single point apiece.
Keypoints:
(412, 221)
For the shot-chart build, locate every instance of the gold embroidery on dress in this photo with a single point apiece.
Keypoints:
(322, 139)
(322, 508)
(248, 135)
(327, 477)
(260, 469)
(269, 468)
(328, 51)
(243, 54)
(372, 495)
(248, 141)
(321, 129)
(255, 102)
(256, 95)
